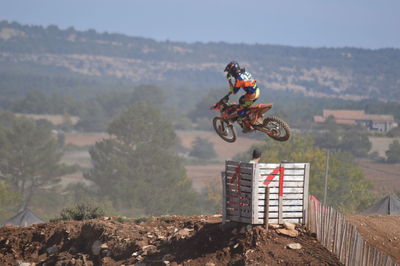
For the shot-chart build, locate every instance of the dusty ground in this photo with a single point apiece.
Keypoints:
(197, 240)
(380, 231)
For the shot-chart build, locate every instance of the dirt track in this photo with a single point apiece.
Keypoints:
(169, 240)
(380, 231)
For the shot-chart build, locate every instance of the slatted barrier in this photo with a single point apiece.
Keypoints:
(342, 238)
(245, 187)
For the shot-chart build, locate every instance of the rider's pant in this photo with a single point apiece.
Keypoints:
(246, 101)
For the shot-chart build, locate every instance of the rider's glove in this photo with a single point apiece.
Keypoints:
(231, 88)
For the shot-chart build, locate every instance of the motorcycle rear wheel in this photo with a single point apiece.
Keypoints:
(224, 129)
(275, 128)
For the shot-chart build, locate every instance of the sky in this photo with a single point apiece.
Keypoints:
(369, 24)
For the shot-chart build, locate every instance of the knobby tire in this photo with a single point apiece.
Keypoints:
(229, 134)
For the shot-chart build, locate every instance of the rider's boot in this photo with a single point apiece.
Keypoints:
(247, 127)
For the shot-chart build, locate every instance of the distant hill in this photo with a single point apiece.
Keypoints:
(35, 51)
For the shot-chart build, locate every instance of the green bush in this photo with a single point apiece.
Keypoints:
(142, 220)
(123, 219)
(80, 212)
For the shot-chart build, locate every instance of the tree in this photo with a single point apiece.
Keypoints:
(149, 94)
(29, 156)
(135, 169)
(328, 134)
(202, 108)
(335, 137)
(203, 149)
(393, 153)
(142, 123)
(355, 142)
(8, 201)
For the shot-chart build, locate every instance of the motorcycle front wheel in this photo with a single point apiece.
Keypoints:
(224, 129)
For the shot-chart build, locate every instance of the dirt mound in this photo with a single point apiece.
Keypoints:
(380, 231)
(173, 240)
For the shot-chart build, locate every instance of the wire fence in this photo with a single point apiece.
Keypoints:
(342, 238)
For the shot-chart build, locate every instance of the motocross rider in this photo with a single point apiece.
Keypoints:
(244, 80)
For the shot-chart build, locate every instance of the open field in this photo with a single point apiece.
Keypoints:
(381, 144)
(385, 177)
(84, 139)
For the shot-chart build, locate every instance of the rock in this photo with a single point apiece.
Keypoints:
(105, 253)
(289, 226)
(294, 246)
(274, 226)
(167, 257)
(104, 246)
(96, 247)
(52, 250)
(24, 264)
(210, 264)
(149, 247)
(291, 233)
(234, 231)
(185, 232)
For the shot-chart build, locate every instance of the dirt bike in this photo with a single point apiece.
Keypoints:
(273, 126)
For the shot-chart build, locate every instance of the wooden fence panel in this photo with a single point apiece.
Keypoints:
(245, 186)
(342, 238)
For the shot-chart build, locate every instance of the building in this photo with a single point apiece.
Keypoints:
(382, 123)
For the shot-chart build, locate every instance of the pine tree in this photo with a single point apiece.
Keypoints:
(135, 169)
(29, 156)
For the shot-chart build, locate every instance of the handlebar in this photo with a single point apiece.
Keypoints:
(224, 100)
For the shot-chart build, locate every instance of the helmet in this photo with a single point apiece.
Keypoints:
(232, 68)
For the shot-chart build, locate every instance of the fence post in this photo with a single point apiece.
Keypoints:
(280, 195)
(266, 207)
(223, 179)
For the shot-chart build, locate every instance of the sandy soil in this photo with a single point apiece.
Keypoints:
(380, 231)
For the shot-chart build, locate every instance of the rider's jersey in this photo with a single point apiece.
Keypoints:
(245, 81)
